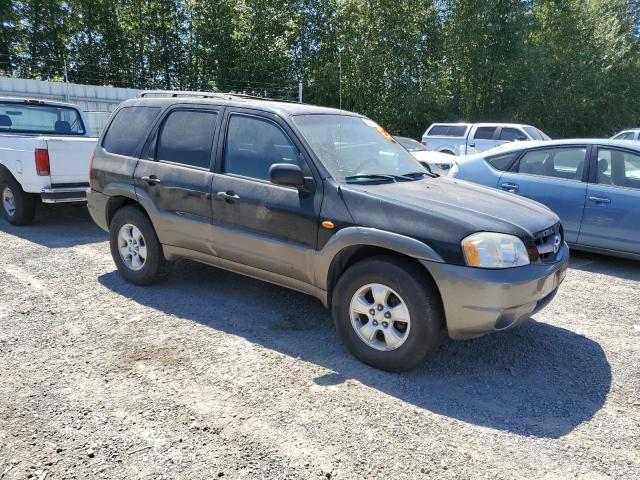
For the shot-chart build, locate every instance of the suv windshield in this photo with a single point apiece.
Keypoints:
(37, 118)
(350, 146)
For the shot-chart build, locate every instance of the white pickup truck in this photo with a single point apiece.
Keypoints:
(470, 138)
(45, 154)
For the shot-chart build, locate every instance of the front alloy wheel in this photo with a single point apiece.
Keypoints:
(380, 317)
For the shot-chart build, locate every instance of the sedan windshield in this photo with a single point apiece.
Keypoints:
(357, 149)
(411, 145)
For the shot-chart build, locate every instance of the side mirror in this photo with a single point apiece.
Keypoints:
(287, 175)
(522, 138)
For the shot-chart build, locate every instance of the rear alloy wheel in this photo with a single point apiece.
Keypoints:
(388, 312)
(135, 248)
(18, 207)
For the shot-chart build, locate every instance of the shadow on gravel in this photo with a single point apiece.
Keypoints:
(58, 226)
(536, 380)
(617, 267)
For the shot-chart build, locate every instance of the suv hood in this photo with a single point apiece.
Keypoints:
(443, 211)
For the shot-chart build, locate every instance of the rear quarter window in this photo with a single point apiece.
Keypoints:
(502, 162)
(128, 129)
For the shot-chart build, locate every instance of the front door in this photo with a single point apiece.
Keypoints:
(553, 177)
(256, 223)
(174, 178)
(612, 212)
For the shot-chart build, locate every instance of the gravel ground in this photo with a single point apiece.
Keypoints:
(213, 375)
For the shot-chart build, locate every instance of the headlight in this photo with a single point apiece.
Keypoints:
(494, 250)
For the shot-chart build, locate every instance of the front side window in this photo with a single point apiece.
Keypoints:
(254, 144)
(485, 133)
(536, 134)
(36, 118)
(511, 134)
(128, 129)
(187, 137)
(354, 146)
(619, 168)
(565, 163)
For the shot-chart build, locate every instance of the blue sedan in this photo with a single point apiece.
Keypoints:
(593, 186)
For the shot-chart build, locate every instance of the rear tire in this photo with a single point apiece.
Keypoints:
(18, 207)
(135, 248)
(368, 319)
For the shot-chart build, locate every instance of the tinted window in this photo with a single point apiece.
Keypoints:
(48, 119)
(511, 134)
(484, 133)
(187, 137)
(567, 163)
(128, 129)
(254, 144)
(619, 168)
(448, 130)
(501, 162)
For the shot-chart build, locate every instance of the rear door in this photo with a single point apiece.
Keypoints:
(555, 177)
(258, 224)
(174, 176)
(481, 138)
(612, 212)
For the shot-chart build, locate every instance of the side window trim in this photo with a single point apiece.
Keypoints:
(264, 116)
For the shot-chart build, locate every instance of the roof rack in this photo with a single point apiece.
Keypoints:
(222, 95)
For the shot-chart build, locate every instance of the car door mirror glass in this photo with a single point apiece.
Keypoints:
(286, 175)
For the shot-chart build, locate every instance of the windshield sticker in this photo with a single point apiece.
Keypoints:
(384, 133)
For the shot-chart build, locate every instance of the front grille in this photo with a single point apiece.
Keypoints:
(548, 242)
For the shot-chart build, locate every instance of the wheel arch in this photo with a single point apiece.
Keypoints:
(348, 248)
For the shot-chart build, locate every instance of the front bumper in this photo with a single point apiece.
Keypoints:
(479, 301)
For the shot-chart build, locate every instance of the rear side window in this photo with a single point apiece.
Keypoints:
(447, 131)
(485, 133)
(502, 162)
(128, 129)
(187, 138)
(254, 144)
(618, 168)
(511, 134)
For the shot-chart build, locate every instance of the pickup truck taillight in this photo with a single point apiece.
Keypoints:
(42, 162)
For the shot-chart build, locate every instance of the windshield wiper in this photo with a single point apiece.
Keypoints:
(372, 176)
(415, 174)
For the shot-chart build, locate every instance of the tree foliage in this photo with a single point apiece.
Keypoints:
(571, 67)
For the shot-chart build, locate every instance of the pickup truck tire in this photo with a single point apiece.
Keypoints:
(369, 301)
(130, 234)
(18, 207)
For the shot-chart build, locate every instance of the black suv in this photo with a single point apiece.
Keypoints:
(325, 202)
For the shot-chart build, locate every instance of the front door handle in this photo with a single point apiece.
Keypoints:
(600, 200)
(151, 179)
(510, 187)
(472, 145)
(229, 196)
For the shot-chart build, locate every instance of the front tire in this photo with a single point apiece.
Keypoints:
(388, 313)
(135, 247)
(17, 206)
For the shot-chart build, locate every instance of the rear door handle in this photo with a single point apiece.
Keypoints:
(510, 187)
(228, 196)
(151, 179)
(600, 200)
(472, 145)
